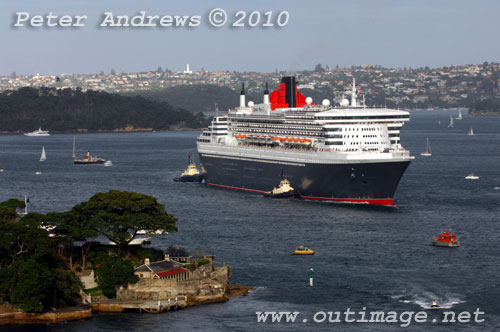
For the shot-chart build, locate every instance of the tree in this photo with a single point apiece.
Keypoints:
(69, 228)
(113, 271)
(319, 68)
(31, 274)
(120, 215)
(9, 209)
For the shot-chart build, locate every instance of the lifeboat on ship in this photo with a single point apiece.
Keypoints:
(445, 239)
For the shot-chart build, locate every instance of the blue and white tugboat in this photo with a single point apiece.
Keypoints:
(191, 174)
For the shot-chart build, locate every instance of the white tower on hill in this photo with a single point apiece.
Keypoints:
(188, 71)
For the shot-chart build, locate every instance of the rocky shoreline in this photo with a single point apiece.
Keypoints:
(11, 315)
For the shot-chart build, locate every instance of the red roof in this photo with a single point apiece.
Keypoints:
(171, 272)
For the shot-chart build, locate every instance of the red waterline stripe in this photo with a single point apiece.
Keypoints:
(371, 201)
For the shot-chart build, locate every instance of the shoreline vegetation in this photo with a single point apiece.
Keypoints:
(72, 110)
(76, 111)
(96, 257)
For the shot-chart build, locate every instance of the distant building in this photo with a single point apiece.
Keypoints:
(188, 71)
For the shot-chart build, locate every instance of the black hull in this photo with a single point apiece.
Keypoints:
(370, 183)
(289, 195)
(191, 178)
(88, 162)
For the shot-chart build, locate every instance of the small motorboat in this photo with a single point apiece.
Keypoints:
(471, 176)
(284, 190)
(446, 239)
(434, 305)
(108, 163)
(301, 250)
(38, 173)
(191, 174)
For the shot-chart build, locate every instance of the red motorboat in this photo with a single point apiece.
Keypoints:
(446, 239)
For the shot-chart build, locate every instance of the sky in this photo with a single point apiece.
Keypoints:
(391, 33)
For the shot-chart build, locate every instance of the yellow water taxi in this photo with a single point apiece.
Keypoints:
(301, 250)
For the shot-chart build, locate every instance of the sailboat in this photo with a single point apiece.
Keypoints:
(471, 132)
(43, 156)
(451, 122)
(427, 152)
(459, 117)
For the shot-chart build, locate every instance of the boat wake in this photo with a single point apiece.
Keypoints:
(425, 299)
(496, 188)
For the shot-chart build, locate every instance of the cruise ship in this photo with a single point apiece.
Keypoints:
(341, 152)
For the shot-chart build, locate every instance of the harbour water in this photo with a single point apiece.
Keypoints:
(373, 257)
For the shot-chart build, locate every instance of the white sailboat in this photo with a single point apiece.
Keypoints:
(427, 152)
(451, 122)
(471, 132)
(74, 156)
(43, 156)
(459, 117)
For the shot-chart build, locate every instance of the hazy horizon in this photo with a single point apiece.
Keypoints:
(390, 33)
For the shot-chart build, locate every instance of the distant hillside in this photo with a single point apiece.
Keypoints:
(194, 98)
(201, 97)
(67, 110)
(488, 106)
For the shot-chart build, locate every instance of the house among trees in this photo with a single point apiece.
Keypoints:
(165, 269)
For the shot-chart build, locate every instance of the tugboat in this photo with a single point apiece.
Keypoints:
(191, 174)
(446, 239)
(284, 190)
(88, 159)
(301, 250)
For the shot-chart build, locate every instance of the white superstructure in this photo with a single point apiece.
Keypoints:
(348, 131)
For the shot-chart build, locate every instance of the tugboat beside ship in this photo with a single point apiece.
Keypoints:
(349, 153)
(191, 174)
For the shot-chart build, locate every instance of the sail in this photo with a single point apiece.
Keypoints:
(427, 151)
(43, 156)
(451, 122)
(471, 132)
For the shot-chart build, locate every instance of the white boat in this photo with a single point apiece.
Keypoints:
(108, 163)
(43, 156)
(471, 176)
(459, 117)
(451, 122)
(434, 305)
(471, 132)
(427, 152)
(38, 172)
(38, 132)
